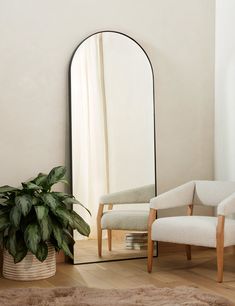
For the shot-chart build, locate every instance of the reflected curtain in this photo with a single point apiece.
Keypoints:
(92, 148)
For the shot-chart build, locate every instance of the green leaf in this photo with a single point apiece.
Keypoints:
(68, 237)
(66, 249)
(35, 200)
(4, 210)
(54, 243)
(55, 175)
(70, 201)
(80, 224)
(64, 181)
(41, 180)
(57, 232)
(11, 242)
(41, 212)
(64, 215)
(42, 251)
(15, 216)
(10, 202)
(3, 201)
(6, 188)
(50, 201)
(21, 248)
(46, 228)
(1, 239)
(60, 195)
(31, 186)
(24, 203)
(32, 237)
(20, 255)
(4, 222)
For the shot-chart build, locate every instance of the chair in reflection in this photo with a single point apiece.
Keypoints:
(216, 232)
(132, 219)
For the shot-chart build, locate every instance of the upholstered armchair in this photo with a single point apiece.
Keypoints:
(121, 219)
(217, 232)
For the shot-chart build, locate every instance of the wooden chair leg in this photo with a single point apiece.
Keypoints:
(109, 239)
(188, 251)
(151, 219)
(150, 255)
(220, 248)
(188, 246)
(99, 242)
(220, 263)
(99, 229)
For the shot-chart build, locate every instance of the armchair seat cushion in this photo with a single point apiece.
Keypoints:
(192, 230)
(135, 220)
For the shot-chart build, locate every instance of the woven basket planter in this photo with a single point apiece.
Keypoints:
(30, 268)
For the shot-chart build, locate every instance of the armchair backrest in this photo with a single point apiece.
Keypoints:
(211, 193)
(141, 194)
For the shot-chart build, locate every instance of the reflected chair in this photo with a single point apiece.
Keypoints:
(123, 219)
(217, 232)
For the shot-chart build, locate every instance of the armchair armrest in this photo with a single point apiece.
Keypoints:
(179, 196)
(136, 195)
(227, 206)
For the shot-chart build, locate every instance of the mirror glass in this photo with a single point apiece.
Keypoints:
(112, 132)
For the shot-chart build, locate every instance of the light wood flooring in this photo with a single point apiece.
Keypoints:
(170, 269)
(85, 251)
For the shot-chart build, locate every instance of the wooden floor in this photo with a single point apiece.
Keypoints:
(85, 251)
(169, 270)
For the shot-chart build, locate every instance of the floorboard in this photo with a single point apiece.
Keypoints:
(169, 269)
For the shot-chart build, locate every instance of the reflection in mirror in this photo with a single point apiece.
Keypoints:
(112, 127)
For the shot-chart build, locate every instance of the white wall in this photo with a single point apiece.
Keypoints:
(225, 91)
(37, 40)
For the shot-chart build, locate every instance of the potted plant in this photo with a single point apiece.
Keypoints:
(36, 221)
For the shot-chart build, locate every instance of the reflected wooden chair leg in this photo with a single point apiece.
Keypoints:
(109, 239)
(110, 207)
(99, 229)
(188, 251)
(99, 232)
(220, 248)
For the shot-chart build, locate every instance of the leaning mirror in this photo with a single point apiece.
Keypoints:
(112, 145)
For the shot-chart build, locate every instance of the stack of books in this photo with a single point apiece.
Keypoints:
(137, 241)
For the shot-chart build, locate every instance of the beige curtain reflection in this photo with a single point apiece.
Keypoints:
(92, 147)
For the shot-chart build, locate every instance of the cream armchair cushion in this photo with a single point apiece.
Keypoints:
(193, 230)
(125, 220)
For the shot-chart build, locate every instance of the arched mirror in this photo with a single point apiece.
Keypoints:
(112, 132)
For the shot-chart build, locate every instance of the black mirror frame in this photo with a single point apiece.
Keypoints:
(70, 106)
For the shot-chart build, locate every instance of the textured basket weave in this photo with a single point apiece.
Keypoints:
(30, 268)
